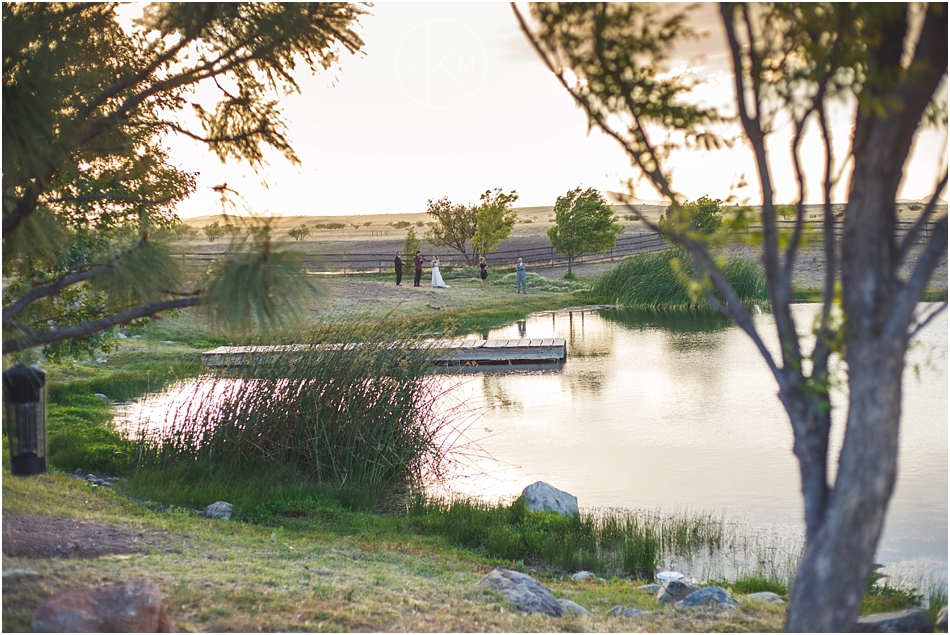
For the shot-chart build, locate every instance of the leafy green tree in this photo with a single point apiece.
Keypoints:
(457, 226)
(88, 108)
(584, 223)
(410, 246)
(300, 232)
(494, 220)
(702, 216)
(453, 226)
(794, 62)
(214, 231)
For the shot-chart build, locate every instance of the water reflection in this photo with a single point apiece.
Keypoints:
(654, 410)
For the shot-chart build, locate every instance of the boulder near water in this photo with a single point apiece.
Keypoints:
(541, 497)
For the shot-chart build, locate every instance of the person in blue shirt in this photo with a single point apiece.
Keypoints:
(521, 277)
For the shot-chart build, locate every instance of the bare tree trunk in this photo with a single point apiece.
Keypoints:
(836, 566)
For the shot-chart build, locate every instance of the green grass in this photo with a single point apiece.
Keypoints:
(367, 415)
(662, 280)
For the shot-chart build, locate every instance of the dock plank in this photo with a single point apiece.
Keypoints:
(454, 352)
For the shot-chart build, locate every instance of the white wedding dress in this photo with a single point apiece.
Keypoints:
(437, 280)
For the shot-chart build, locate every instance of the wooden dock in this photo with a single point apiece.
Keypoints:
(459, 352)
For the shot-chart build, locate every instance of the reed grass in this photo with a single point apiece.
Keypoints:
(609, 542)
(660, 280)
(365, 412)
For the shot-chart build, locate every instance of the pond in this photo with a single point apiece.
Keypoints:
(678, 412)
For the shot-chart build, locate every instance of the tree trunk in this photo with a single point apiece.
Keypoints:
(836, 565)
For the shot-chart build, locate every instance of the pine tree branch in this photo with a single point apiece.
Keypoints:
(27, 338)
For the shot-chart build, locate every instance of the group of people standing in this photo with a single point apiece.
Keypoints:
(521, 272)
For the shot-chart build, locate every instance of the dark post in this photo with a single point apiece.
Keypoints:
(24, 402)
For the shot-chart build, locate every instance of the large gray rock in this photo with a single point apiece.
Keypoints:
(541, 497)
(767, 596)
(219, 510)
(714, 595)
(569, 606)
(619, 611)
(134, 606)
(674, 591)
(523, 591)
(909, 621)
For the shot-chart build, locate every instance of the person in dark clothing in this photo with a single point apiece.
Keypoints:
(397, 263)
(417, 264)
(483, 267)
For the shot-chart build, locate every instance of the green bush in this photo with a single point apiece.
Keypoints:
(659, 280)
(364, 415)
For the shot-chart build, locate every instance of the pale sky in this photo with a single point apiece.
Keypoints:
(450, 100)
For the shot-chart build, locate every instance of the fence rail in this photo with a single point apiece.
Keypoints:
(537, 257)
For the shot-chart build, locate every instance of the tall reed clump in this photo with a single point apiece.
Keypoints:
(609, 542)
(356, 409)
(659, 280)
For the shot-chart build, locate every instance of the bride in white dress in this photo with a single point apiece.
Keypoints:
(437, 280)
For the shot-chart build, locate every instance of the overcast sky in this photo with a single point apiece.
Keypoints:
(450, 100)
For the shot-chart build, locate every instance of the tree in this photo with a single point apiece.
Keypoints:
(410, 246)
(214, 231)
(790, 62)
(494, 220)
(453, 226)
(87, 184)
(702, 216)
(584, 223)
(300, 232)
(457, 226)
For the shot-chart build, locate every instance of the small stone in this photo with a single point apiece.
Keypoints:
(121, 607)
(78, 472)
(767, 596)
(582, 576)
(136, 337)
(649, 588)
(709, 595)
(103, 397)
(619, 611)
(121, 336)
(569, 606)
(168, 342)
(674, 591)
(219, 510)
(523, 591)
(19, 573)
(91, 477)
(909, 621)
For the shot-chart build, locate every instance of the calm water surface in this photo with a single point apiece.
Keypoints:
(679, 412)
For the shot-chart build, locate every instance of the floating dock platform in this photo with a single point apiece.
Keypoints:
(444, 352)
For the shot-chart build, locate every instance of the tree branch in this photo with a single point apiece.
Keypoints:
(911, 236)
(30, 339)
(902, 310)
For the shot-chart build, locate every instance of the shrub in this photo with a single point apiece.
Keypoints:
(660, 279)
(364, 414)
